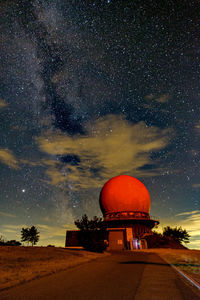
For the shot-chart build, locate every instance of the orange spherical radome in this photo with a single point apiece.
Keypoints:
(124, 193)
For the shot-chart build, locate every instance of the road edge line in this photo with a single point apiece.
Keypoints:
(195, 283)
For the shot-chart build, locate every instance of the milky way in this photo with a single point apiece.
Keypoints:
(91, 90)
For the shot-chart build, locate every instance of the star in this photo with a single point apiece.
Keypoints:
(124, 100)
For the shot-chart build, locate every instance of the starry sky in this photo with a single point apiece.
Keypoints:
(94, 89)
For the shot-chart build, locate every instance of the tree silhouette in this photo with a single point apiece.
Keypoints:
(85, 224)
(178, 234)
(25, 235)
(30, 235)
(92, 233)
(33, 235)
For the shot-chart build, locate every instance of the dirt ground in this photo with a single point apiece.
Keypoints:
(186, 260)
(21, 264)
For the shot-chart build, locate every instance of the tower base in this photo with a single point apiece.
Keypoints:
(129, 234)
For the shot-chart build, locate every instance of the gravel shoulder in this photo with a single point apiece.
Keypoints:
(186, 260)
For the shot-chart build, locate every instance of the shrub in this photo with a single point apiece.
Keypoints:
(13, 243)
(92, 234)
(159, 241)
(178, 234)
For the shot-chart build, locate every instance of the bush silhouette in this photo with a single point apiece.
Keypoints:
(171, 238)
(13, 243)
(92, 233)
(9, 243)
(178, 234)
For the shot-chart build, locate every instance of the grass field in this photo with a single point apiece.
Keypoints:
(21, 264)
(186, 260)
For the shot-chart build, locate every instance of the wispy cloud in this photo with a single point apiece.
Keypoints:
(149, 97)
(2, 103)
(197, 127)
(191, 223)
(15, 227)
(50, 231)
(189, 220)
(53, 234)
(4, 214)
(196, 185)
(161, 99)
(194, 212)
(11, 231)
(8, 158)
(112, 146)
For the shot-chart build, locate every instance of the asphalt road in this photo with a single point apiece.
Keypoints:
(123, 276)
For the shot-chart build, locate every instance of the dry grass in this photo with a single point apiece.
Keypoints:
(186, 260)
(21, 264)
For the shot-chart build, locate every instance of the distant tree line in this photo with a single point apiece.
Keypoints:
(29, 235)
(9, 243)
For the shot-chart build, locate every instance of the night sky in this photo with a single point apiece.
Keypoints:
(94, 89)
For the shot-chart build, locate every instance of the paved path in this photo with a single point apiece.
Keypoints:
(123, 276)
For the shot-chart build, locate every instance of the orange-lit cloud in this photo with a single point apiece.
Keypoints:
(197, 127)
(196, 185)
(39, 162)
(56, 176)
(2, 103)
(149, 97)
(8, 158)
(161, 99)
(111, 146)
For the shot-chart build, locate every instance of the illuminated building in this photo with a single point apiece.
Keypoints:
(125, 204)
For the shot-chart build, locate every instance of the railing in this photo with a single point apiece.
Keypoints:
(155, 218)
(130, 216)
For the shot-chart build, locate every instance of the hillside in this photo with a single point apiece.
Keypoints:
(21, 264)
(160, 241)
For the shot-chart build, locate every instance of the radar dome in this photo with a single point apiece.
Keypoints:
(124, 193)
